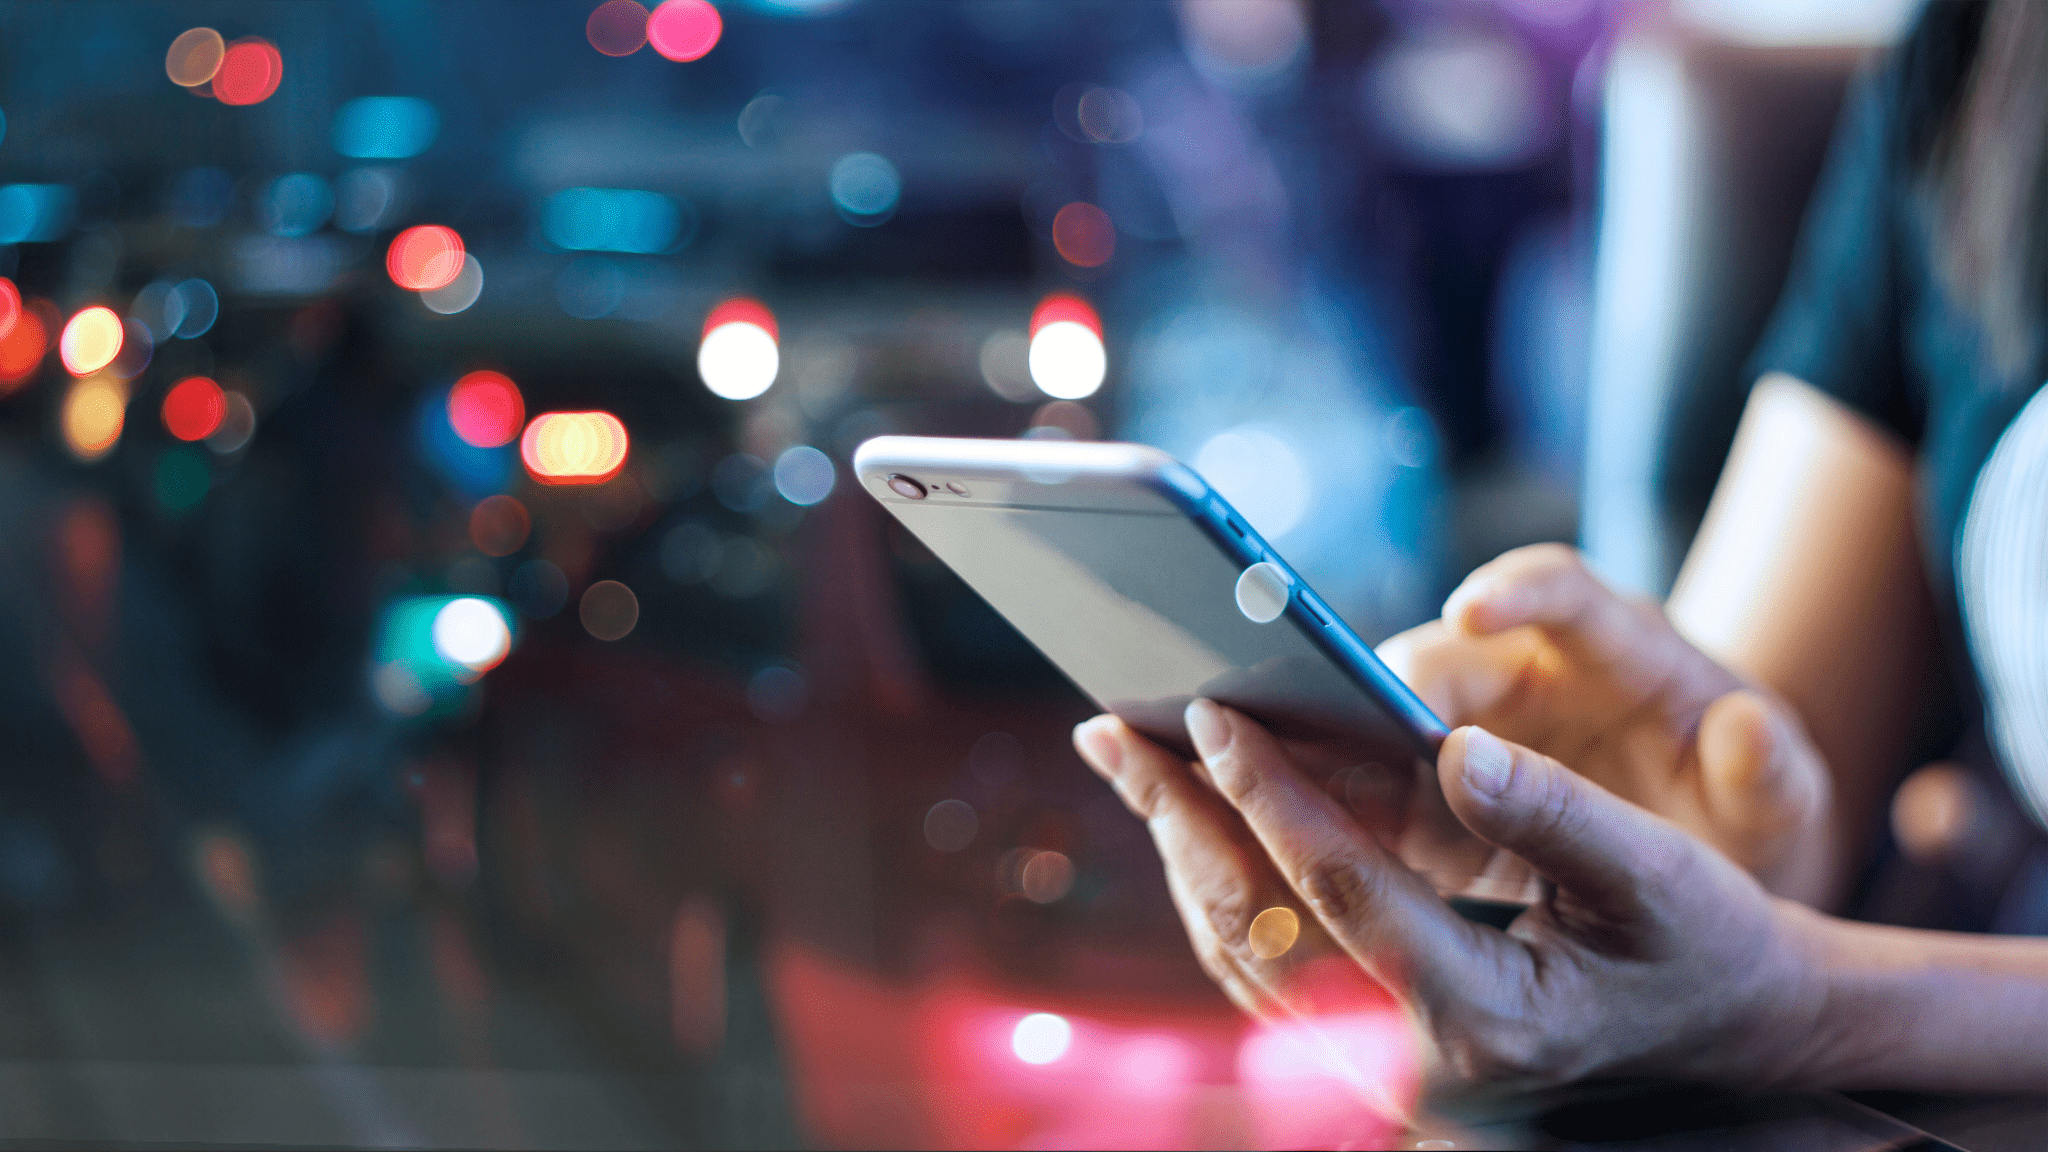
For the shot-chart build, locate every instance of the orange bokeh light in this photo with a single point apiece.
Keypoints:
(250, 71)
(90, 341)
(21, 350)
(684, 30)
(617, 27)
(574, 447)
(1065, 306)
(93, 413)
(742, 310)
(194, 57)
(485, 409)
(1084, 235)
(10, 306)
(425, 257)
(194, 408)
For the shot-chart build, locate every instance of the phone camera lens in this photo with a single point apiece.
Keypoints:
(906, 487)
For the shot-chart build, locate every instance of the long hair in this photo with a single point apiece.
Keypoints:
(1989, 177)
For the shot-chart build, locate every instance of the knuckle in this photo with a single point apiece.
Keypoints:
(1230, 912)
(1339, 889)
(1149, 796)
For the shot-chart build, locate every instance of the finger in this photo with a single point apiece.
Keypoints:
(1604, 852)
(1549, 585)
(1219, 879)
(1749, 768)
(1461, 676)
(1384, 915)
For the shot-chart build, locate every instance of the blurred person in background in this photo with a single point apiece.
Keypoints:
(1699, 785)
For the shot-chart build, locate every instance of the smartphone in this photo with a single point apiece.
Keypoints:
(1144, 587)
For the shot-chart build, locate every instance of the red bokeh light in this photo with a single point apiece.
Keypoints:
(684, 29)
(10, 306)
(425, 257)
(194, 408)
(21, 350)
(249, 73)
(1065, 306)
(486, 409)
(744, 311)
(617, 27)
(1084, 235)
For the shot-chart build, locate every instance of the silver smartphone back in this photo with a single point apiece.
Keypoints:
(1143, 586)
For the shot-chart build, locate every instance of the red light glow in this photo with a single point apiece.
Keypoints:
(21, 350)
(574, 447)
(1065, 306)
(1084, 235)
(617, 27)
(91, 340)
(741, 310)
(10, 306)
(486, 409)
(249, 72)
(684, 30)
(425, 257)
(194, 408)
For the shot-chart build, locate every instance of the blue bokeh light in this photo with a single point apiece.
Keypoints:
(617, 220)
(35, 213)
(385, 127)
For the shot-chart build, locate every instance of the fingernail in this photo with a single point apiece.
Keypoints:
(1207, 728)
(1488, 763)
(1099, 746)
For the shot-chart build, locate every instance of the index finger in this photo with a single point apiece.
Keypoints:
(1388, 918)
(1550, 586)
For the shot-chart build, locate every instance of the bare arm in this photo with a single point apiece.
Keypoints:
(1806, 577)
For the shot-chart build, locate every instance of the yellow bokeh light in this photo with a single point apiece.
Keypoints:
(1273, 932)
(93, 413)
(91, 341)
(574, 447)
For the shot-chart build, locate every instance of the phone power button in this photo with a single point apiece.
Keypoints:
(1262, 592)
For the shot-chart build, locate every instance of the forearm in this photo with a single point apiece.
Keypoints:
(1933, 1011)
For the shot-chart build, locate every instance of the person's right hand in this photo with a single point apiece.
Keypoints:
(1649, 953)
(1535, 647)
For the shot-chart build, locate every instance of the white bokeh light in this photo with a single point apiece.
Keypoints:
(1041, 1038)
(1260, 475)
(1067, 361)
(472, 634)
(738, 360)
(458, 293)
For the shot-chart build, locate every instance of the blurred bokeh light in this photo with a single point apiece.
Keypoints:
(617, 27)
(194, 57)
(194, 408)
(684, 30)
(91, 340)
(424, 257)
(250, 71)
(93, 412)
(574, 447)
(486, 409)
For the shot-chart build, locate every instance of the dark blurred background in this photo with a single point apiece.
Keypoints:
(375, 774)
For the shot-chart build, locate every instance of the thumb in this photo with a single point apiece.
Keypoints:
(1589, 842)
